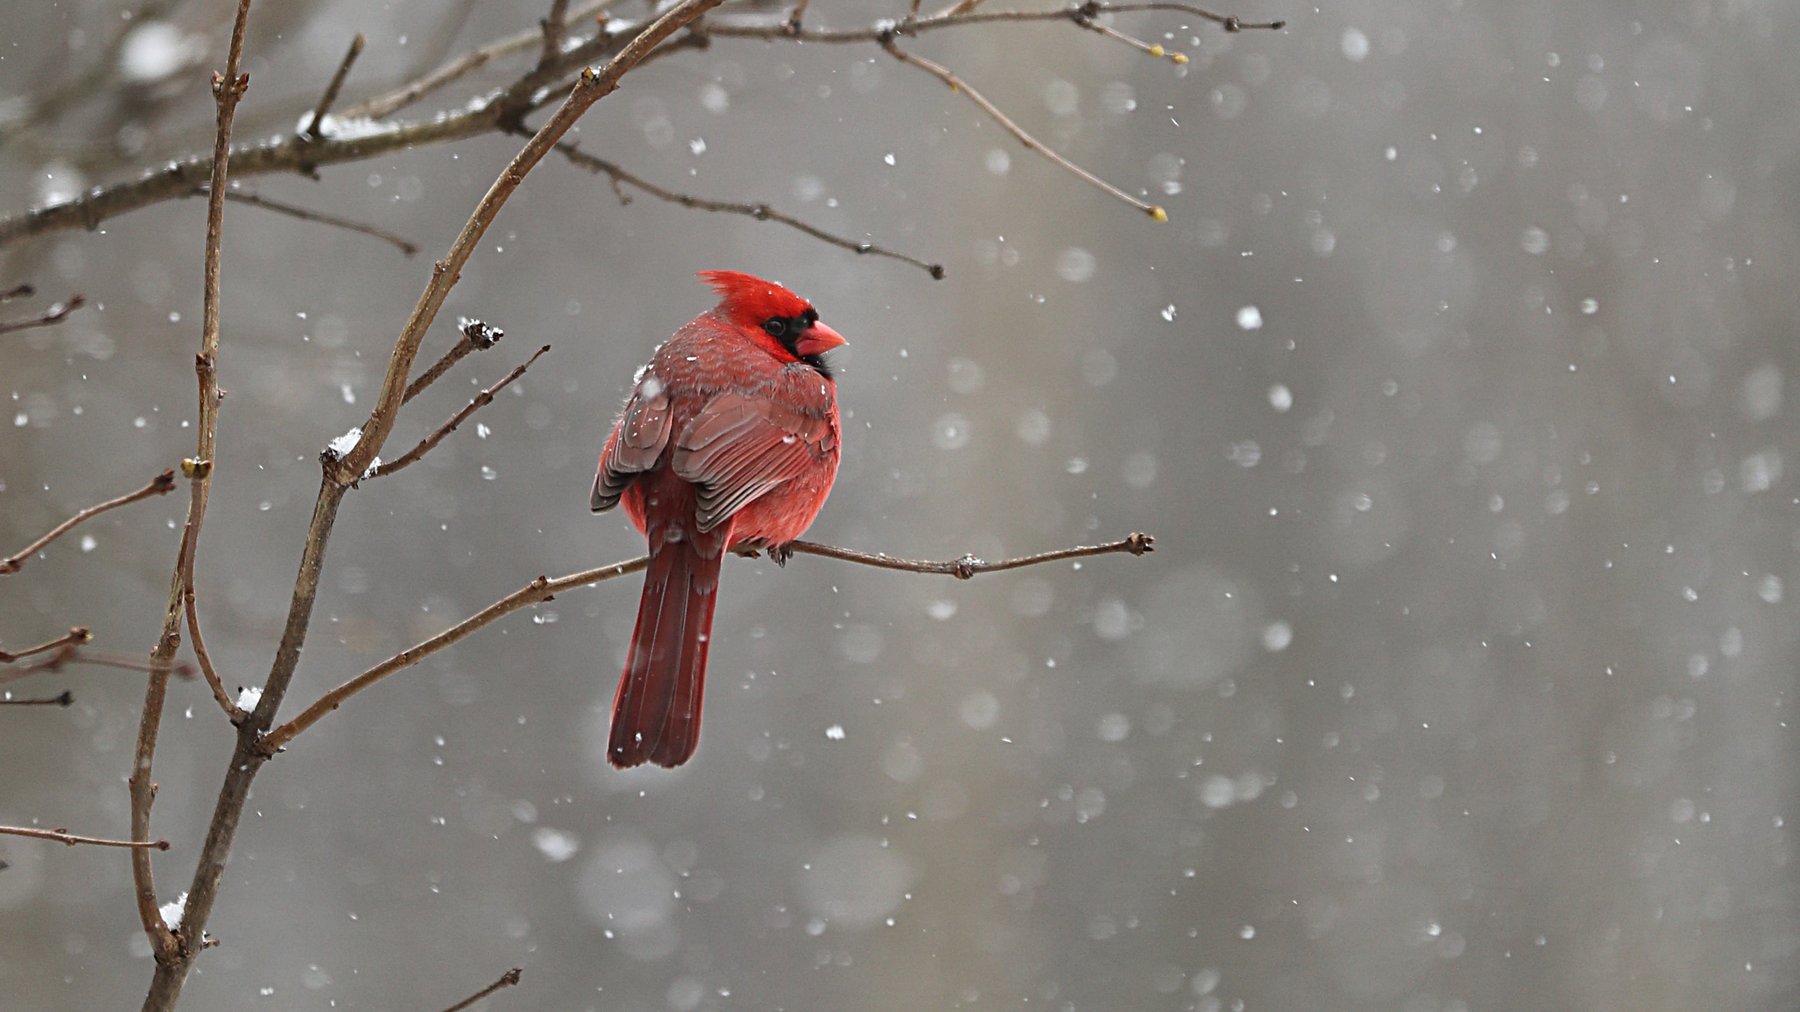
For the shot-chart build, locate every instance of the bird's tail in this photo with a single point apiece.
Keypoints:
(656, 713)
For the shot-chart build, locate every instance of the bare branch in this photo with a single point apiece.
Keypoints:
(543, 589)
(405, 246)
(386, 105)
(63, 836)
(477, 336)
(1150, 48)
(16, 292)
(57, 313)
(480, 400)
(159, 485)
(761, 212)
(331, 90)
(78, 634)
(228, 89)
(508, 979)
(943, 73)
(968, 566)
(298, 153)
(77, 653)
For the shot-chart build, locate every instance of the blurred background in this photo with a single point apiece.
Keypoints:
(1453, 392)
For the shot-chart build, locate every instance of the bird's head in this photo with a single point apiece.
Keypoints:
(766, 308)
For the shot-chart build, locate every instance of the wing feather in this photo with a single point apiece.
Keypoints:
(741, 447)
(637, 443)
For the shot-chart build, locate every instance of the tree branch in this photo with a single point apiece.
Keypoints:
(479, 401)
(162, 484)
(543, 589)
(57, 313)
(405, 246)
(955, 83)
(63, 836)
(76, 653)
(478, 335)
(331, 90)
(759, 211)
(407, 94)
(360, 136)
(508, 979)
(228, 88)
(76, 635)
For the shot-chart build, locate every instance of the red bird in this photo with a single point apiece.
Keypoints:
(729, 438)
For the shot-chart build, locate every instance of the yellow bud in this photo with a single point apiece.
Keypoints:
(1157, 51)
(1158, 214)
(1178, 57)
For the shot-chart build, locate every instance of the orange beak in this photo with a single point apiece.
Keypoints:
(818, 338)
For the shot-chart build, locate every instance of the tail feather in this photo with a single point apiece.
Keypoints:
(656, 713)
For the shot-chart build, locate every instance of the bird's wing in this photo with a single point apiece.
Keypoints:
(636, 444)
(741, 447)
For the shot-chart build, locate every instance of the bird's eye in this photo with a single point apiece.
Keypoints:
(776, 326)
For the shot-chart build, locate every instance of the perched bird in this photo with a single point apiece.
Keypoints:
(729, 439)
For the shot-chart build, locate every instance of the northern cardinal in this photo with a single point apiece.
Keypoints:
(729, 438)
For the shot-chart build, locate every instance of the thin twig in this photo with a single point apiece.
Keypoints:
(477, 335)
(63, 698)
(295, 153)
(480, 400)
(543, 589)
(331, 90)
(386, 105)
(1150, 48)
(16, 292)
(166, 946)
(72, 653)
(508, 979)
(78, 634)
(405, 246)
(63, 836)
(57, 313)
(968, 566)
(159, 485)
(759, 211)
(944, 74)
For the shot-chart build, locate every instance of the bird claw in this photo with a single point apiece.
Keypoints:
(780, 554)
